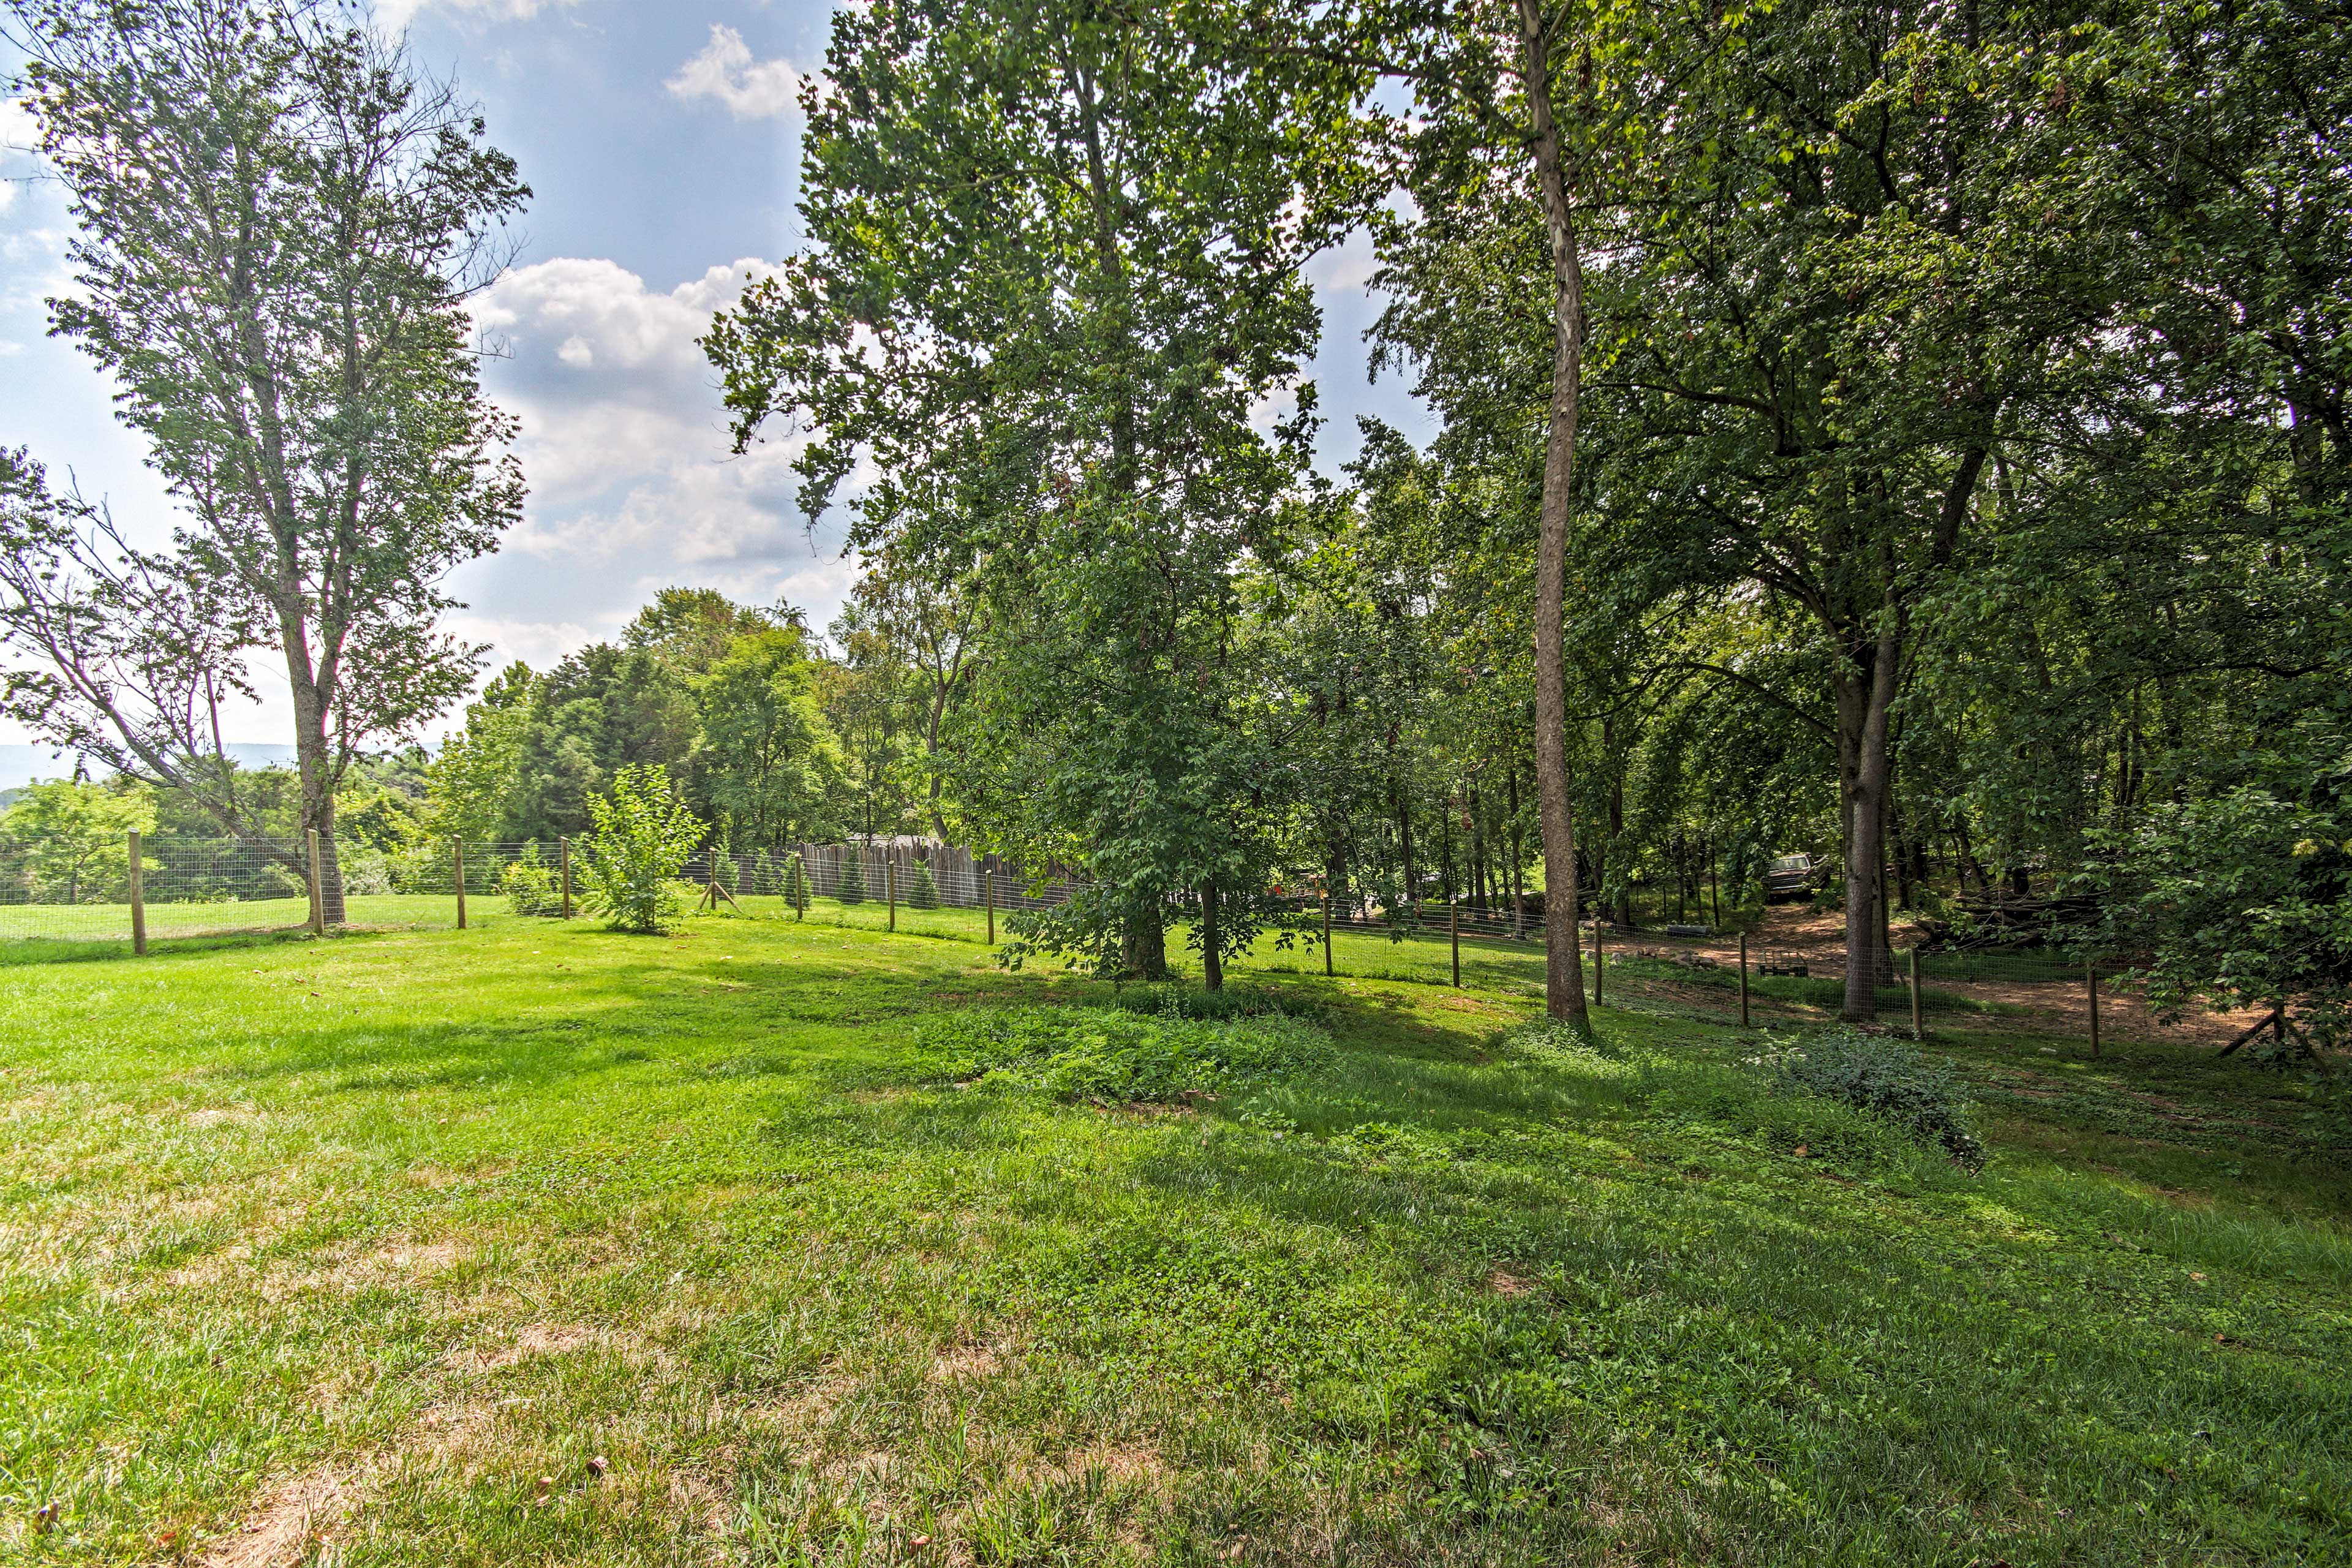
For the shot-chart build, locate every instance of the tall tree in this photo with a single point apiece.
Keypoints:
(1522, 111)
(280, 220)
(1053, 276)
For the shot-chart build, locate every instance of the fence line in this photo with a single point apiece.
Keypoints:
(78, 891)
(68, 894)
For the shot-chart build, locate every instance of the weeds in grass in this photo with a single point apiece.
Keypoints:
(1886, 1080)
(1112, 1056)
(562, 1247)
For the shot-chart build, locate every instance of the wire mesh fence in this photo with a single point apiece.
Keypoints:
(63, 897)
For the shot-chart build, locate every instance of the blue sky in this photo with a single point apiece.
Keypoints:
(661, 139)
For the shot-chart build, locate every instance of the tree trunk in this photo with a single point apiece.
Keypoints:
(315, 768)
(1477, 854)
(1865, 693)
(1445, 850)
(1213, 967)
(1563, 963)
(1143, 945)
(1404, 841)
(1334, 876)
(1519, 861)
(1623, 913)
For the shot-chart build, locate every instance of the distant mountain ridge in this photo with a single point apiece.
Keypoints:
(21, 764)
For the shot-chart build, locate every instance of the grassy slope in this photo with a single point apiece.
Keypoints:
(386, 1238)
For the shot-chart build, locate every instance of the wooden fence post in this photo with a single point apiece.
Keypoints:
(988, 897)
(318, 890)
(1743, 978)
(137, 898)
(1919, 1012)
(1456, 911)
(457, 861)
(2091, 979)
(564, 871)
(1328, 970)
(890, 885)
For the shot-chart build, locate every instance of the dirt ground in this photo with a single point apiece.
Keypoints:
(1795, 933)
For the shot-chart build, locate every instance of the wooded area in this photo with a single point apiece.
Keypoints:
(1661, 969)
(1911, 435)
(1927, 428)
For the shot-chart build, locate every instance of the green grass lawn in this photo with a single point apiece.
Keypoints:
(537, 1244)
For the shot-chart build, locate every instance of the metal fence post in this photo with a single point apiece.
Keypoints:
(318, 890)
(564, 870)
(1456, 910)
(1599, 961)
(2091, 980)
(458, 862)
(1328, 970)
(137, 898)
(1743, 979)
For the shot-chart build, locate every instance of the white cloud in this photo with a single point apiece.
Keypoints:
(726, 72)
(537, 643)
(18, 136)
(624, 439)
(397, 14)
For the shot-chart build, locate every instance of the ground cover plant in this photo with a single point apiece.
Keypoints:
(537, 1242)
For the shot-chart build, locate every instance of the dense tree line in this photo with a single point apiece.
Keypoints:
(772, 735)
(1913, 434)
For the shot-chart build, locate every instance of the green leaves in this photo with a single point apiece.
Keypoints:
(645, 835)
(1053, 277)
(279, 219)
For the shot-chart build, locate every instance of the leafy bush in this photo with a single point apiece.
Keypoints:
(1185, 1002)
(1110, 1055)
(420, 869)
(367, 873)
(1820, 1129)
(1886, 1080)
(1544, 1037)
(853, 880)
(925, 893)
(531, 890)
(276, 881)
(643, 837)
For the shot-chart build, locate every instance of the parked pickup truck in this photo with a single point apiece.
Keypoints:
(1791, 876)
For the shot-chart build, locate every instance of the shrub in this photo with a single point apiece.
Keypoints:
(276, 881)
(531, 889)
(925, 893)
(1112, 1056)
(1544, 1037)
(853, 880)
(1822, 1129)
(367, 873)
(1888, 1081)
(421, 868)
(643, 837)
(1183, 1001)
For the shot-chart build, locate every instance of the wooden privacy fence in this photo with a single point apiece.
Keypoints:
(901, 870)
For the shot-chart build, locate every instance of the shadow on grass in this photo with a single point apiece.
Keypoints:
(16, 951)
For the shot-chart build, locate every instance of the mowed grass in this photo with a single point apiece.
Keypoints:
(538, 1244)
